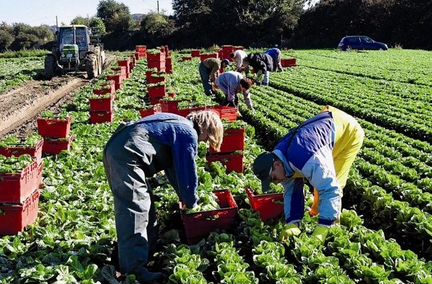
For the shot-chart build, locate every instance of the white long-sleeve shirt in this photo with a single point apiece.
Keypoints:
(239, 56)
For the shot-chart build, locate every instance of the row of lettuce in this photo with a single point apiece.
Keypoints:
(352, 250)
(73, 238)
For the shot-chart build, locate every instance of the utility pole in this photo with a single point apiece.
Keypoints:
(157, 6)
(56, 23)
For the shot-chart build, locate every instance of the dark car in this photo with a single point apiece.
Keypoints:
(360, 42)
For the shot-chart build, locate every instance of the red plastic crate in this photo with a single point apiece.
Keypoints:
(54, 128)
(15, 217)
(159, 65)
(101, 117)
(268, 206)
(200, 224)
(125, 63)
(227, 113)
(122, 72)
(56, 146)
(186, 111)
(232, 161)
(141, 48)
(152, 79)
(169, 65)
(195, 53)
(17, 151)
(147, 112)
(15, 188)
(208, 55)
(170, 106)
(108, 88)
(140, 55)
(157, 91)
(101, 104)
(226, 51)
(118, 81)
(288, 62)
(160, 57)
(234, 140)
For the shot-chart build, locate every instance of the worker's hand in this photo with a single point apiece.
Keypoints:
(320, 233)
(290, 230)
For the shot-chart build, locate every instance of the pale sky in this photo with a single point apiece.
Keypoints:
(37, 12)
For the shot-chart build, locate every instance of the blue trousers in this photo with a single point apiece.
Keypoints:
(135, 216)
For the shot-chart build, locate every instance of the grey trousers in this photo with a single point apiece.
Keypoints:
(205, 78)
(135, 216)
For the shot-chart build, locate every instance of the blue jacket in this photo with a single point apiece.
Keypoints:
(307, 152)
(274, 52)
(176, 143)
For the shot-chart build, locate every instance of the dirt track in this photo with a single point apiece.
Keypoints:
(25, 103)
(20, 107)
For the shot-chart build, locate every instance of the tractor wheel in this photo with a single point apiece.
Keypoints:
(50, 67)
(91, 66)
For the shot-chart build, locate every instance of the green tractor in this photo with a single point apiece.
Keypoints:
(74, 51)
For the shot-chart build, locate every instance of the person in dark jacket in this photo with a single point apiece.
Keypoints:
(161, 142)
(262, 65)
(209, 70)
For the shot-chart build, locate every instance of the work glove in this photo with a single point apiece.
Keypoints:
(320, 233)
(290, 230)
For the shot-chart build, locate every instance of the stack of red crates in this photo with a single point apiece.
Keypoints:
(140, 52)
(101, 109)
(19, 192)
(126, 64)
(56, 134)
(156, 60)
(231, 152)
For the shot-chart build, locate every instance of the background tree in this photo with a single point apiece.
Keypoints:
(116, 16)
(80, 21)
(6, 39)
(97, 26)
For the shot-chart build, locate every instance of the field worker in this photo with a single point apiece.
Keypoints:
(276, 55)
(209, 70)
(238, 57)
(262, 65)
(322, 151)
(231, 83)
(138, 151)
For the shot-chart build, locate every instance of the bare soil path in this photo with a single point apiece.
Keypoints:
(25, 103)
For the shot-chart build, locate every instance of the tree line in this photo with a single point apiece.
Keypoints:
(255, 23)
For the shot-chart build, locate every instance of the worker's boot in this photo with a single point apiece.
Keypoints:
(146, 277)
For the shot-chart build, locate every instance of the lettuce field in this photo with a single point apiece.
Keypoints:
(385, 235)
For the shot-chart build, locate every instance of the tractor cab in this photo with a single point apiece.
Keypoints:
(73, 42)
(75, 52)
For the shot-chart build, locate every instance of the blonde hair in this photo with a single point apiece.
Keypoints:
(210, 121)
